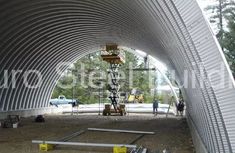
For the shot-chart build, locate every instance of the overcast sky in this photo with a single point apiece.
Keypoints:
(205, 3)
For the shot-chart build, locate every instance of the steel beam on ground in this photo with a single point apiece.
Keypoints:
(120, 131)
(83, 144)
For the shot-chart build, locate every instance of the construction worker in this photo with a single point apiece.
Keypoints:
(155, 107)
(180, 107)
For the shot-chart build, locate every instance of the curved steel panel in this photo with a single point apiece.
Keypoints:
(39, 34)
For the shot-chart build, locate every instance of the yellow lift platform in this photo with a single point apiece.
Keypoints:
(115, 57)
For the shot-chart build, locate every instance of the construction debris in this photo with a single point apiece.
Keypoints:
(139, 150)
(39, 119)
(12, 121)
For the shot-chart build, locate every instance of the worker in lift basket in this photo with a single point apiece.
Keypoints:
(155, 107)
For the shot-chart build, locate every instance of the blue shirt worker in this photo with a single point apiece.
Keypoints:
(155, 107)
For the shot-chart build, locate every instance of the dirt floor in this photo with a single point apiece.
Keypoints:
(172, 133)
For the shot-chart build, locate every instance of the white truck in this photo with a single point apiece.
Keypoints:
(62, 100)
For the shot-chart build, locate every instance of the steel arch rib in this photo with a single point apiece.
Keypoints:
(39, 34)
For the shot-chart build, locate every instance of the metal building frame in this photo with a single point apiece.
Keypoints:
(39, 34)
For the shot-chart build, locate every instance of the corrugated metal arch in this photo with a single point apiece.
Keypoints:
(39, 34)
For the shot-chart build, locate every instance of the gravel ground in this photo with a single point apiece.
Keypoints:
(172, 133)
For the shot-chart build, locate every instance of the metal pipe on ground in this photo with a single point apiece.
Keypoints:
(67, 138)
(83, 144)
(138, 138)
(120, 131)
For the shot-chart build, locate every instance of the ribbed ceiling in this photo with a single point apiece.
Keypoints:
(39, 34)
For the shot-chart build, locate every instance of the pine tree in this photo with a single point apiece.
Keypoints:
(220, 15)
(223, 15)
(229, 43)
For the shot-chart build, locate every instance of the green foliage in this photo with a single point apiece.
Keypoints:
(93, 62)
(224, 12)
(148, 98)
(60, 88)
(221, 12)
(229, 43)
